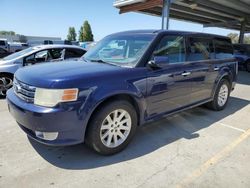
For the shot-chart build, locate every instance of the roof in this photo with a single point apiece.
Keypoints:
(211, 13)
(56, 46)
(148, 31)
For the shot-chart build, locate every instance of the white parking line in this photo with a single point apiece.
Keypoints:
(213, 161)
(229, 126)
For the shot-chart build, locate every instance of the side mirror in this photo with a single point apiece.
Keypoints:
(159, 62)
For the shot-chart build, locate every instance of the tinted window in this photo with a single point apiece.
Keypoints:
(199, 49)
(172, 47)
(2, 43)
(48, 42)
(223, 48)
(74, 53)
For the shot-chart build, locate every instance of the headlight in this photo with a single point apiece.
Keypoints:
(51, 97)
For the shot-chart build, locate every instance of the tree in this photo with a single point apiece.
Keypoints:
(71, 34)
(235, 38)
(7, 33)
(85, 32)
(80, 38)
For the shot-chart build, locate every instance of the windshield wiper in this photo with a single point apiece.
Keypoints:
(101, 61)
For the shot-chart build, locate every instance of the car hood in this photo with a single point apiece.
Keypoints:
(5, 62)
(48, 75)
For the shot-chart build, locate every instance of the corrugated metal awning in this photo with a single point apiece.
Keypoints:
(228, 14)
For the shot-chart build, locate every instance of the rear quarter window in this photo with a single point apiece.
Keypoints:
(223, 48)
(74, 53)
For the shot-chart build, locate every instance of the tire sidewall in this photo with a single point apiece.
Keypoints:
(6, 76)
(222, 82)
(93, 134)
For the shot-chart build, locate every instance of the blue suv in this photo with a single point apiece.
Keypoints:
(126, 80)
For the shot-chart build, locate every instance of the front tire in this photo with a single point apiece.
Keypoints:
(221, 96)
(112, 127)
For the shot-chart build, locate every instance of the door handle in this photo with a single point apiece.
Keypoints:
(186, 73)
(216, 68)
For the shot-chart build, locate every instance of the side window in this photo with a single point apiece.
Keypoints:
(223, 48)
(39, 57)
(173, 47)
(57, 53)
(199, 49)
(2, 43)
(74, 53)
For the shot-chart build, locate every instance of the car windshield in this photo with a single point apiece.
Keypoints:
(18, 54)
(119, 50)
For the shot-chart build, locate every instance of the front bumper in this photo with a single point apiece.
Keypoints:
(64, 119)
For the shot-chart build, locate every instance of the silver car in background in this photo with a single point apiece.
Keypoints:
(31, 56)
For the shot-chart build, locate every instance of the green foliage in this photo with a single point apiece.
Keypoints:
(71, 34)
(7, 33)
(235, 38)
(85, 33)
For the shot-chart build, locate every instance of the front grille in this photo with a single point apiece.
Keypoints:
(24, 91)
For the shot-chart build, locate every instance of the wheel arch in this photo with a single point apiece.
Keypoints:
(226, 74)
(132, 99)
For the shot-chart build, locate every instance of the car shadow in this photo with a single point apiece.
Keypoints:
(148, 138)
(244, 78)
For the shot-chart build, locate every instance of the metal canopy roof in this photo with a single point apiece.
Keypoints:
(230, 14)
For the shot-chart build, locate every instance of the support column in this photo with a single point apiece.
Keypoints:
(165, 14)
(242, 32)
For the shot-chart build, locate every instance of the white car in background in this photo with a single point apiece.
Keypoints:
(12, 47)
(31, 56)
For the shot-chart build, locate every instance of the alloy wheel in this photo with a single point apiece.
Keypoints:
(223, 95)
(115, 128)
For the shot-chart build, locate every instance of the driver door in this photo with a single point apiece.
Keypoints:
(169, 88)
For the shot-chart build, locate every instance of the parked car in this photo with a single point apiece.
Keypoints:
(103, 99)
(17, 47)
(242, 54)
(12, 46)
(4, 53)
(4, 44)
(34, 55)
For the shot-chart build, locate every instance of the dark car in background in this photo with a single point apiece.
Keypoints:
(126, 80)
(242, 54)
(4, 53)
(33, 56)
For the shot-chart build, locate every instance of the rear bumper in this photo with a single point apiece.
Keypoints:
(64, 119)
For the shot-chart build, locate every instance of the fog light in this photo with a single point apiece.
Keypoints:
(47, 135)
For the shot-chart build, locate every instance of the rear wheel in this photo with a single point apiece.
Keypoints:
(112, 127)
(6, 82)
(221, 96)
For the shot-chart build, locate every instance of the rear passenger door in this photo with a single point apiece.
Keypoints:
(200, 54)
